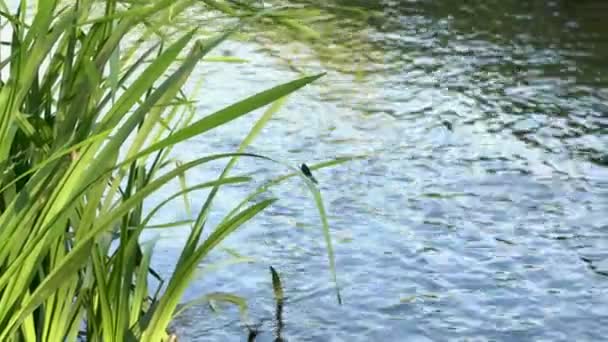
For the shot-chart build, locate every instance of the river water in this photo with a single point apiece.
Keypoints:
(479, 212)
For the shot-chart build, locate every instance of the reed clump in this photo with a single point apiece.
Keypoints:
(91, 105)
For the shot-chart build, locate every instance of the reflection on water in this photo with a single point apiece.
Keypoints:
(481, 210)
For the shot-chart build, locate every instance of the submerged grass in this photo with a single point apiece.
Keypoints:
(91, 104)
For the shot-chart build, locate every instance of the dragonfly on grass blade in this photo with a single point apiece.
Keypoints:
(306, 171)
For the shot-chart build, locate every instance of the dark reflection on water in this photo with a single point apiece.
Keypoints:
(534, 69)
(480, 213)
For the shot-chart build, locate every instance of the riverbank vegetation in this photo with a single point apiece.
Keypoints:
(92, 102)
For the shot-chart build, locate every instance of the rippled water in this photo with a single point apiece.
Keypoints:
(480, 212)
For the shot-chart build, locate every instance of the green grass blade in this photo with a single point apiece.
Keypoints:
(185, 270)
(255, 131)
(145, 81)
(228, 114)
(78, 256)
(327, 235)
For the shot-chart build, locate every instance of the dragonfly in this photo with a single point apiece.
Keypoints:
(307, 173)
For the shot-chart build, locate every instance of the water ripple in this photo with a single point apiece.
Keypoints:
(480, 211)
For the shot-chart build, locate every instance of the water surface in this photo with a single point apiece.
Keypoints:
(480, 211)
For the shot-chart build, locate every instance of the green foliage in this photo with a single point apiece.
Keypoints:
(91, 106)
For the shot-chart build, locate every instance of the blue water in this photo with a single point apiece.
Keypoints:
(479, 212)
